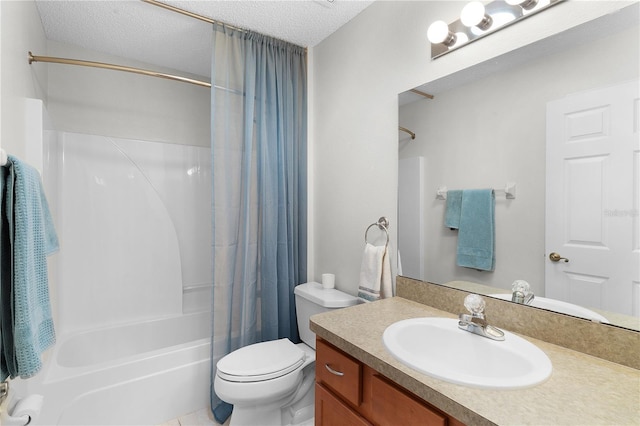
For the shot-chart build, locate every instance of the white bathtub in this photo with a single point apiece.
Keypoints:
(137, 374)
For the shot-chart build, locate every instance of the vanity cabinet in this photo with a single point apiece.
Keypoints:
(353, 394)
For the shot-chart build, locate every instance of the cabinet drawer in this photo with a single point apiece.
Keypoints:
(392, 406)
(339, 372)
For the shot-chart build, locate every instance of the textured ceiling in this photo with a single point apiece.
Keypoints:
(134, 29)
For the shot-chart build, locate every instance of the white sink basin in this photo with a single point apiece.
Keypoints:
(559, 306)
(438, 348)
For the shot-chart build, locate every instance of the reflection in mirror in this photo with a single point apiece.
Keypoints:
(487, 126)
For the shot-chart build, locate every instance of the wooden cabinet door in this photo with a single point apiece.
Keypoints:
(330, 411)
(391, 406)
(348, 393)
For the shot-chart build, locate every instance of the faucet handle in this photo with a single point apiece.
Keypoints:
(521, 292)
(475, 304)
(522, 286)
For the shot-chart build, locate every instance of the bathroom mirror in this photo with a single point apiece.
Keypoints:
(485, 128)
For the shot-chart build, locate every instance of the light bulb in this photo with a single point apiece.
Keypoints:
(502, 18)
(438, 32)
(461, 38)
(525, 4)
(473, 15)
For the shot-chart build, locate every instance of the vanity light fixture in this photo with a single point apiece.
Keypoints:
(479, 19)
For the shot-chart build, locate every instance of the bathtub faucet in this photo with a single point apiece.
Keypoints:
(476, 322)
(521, 292)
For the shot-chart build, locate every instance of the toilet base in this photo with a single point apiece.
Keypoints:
(303, 408)
(303, 417)
(252, 417)
(298, 413)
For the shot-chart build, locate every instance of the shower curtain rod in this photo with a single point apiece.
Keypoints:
(421, 93)
(196, 16)
(190, 14)
(404, 129)
(103, 65)
(51, 59)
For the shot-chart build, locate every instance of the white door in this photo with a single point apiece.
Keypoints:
(592, 199)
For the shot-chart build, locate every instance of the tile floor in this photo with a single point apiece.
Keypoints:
(198, 418)
(204, 417)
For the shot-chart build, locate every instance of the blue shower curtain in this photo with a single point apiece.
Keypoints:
(258, 140)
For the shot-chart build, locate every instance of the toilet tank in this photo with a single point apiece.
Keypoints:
(311, 299)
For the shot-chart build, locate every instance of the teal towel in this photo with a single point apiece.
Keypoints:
(476, 235)
(6, 316)
(452, 211)
(34, 237)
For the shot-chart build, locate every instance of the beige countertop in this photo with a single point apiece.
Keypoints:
(582, 390)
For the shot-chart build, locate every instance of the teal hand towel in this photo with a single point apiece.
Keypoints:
(6, 305)
(33, 239)
(476, 235)
(452, 210)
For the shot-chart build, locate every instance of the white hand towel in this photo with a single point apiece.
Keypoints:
(386, 284)
(375, 274)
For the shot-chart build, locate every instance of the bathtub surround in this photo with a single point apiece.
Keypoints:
(259, 157)
(132, 274)
(132, 251)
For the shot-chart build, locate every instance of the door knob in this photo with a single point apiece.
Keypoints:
(555, 257)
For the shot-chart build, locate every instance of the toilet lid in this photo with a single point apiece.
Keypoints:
(261, 361)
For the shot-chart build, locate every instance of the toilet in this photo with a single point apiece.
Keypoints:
(272, 383)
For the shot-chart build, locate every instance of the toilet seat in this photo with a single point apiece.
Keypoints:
(261, 361)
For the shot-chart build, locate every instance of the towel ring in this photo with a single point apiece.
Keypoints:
(383, 224)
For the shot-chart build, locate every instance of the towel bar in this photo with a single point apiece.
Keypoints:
(383, 224)
(509, 191)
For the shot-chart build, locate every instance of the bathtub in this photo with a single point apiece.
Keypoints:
(142, 373)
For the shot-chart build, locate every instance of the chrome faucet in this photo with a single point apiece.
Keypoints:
(521, 292)
(476, 322)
